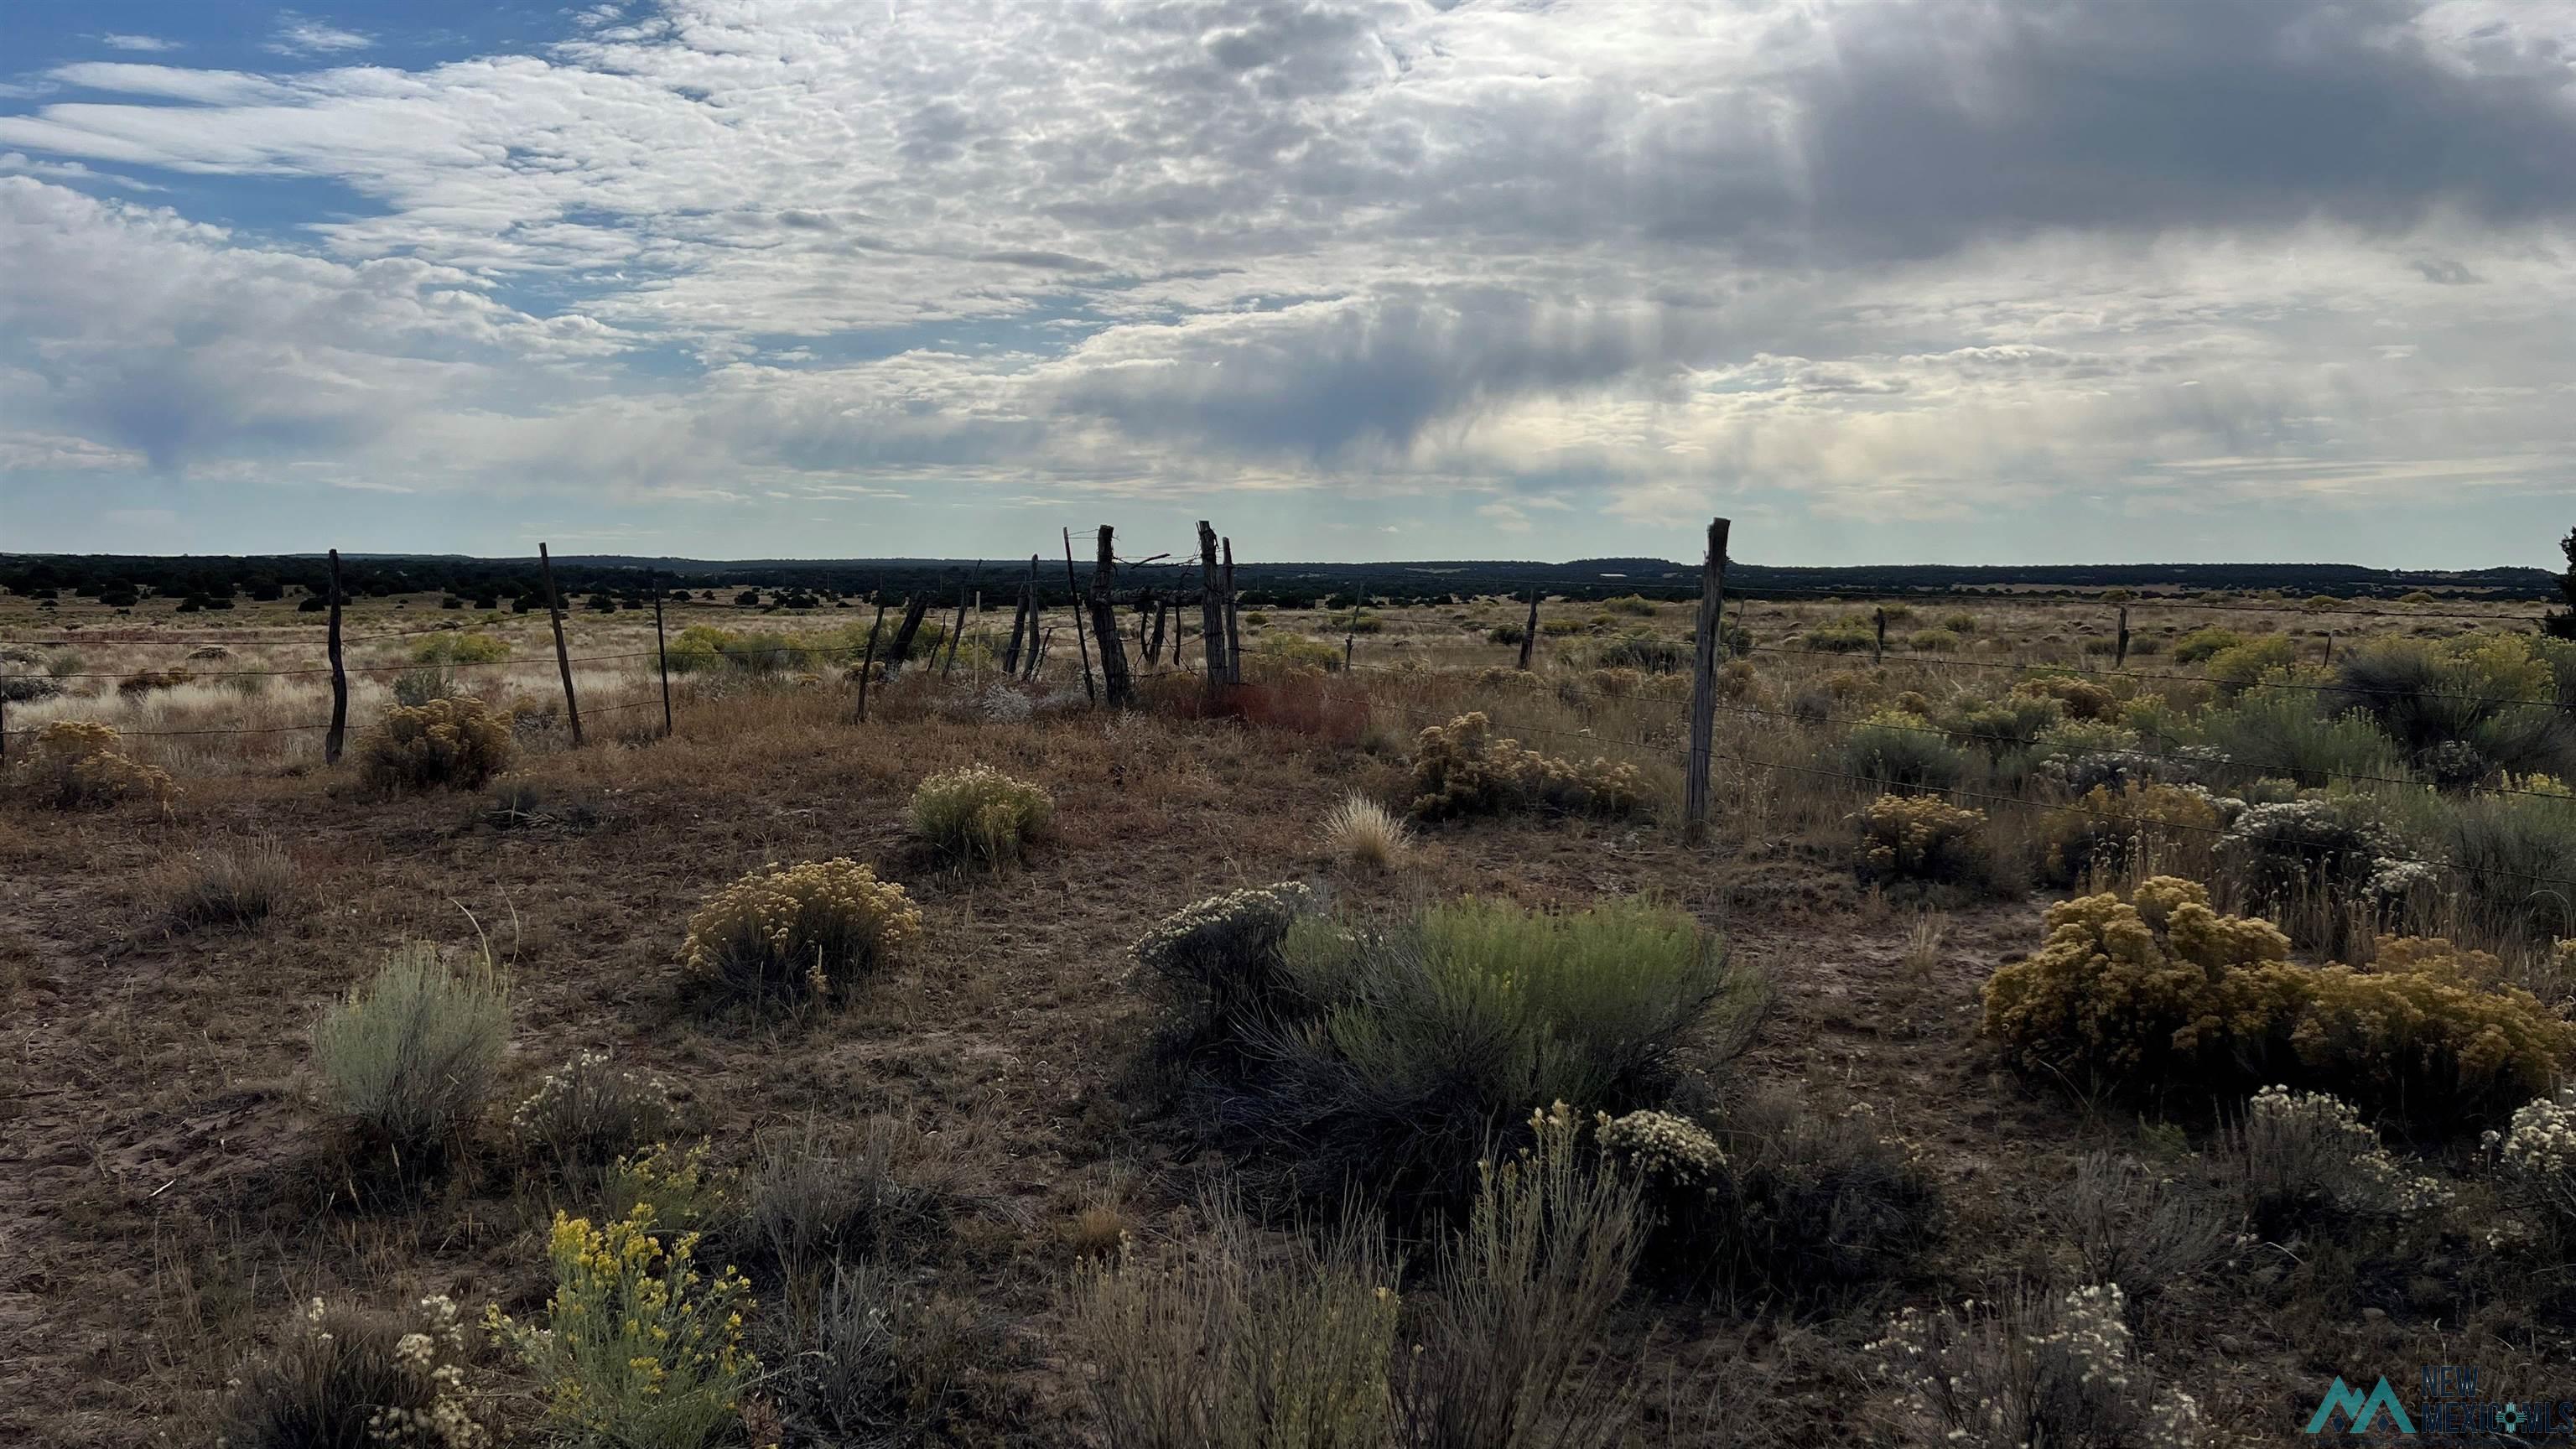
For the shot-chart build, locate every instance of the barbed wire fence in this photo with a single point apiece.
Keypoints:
(1158, 590)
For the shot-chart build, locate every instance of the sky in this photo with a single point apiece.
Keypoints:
(1957, 281)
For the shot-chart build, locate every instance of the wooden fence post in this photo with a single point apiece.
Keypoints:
(1233, 627)
(332, 742)
(1162, 617)
(662, 651)
(1529, 631)
(1019, 631)
(1878, 649)
(1211, 609)
(1073, 598)
(563, 656)
(868, 661)
(2329, 659)
(2120, 657)
(1703, 717)
(1104, 624)
(957, 630)
(916, 607)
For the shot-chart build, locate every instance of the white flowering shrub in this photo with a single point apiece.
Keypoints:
(1663, 1148)
(347, 1376)
(2303, 1155)
(2027, 1371)
(2538, 1153)
(588, 1113)
(1225, 946)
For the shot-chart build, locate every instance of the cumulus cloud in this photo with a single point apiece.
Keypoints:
(150, 44)
(1902, 257)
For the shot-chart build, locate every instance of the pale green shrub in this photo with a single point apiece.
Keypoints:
(980, 813)
(410, 1058)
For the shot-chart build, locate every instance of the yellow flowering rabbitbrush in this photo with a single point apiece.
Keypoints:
(2160, 989)
(454, 743)
(640, 1348)
(78, 767)
(1919, 837)
(980, 813)
(801, 932)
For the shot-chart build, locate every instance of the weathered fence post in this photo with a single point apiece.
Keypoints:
(1104, 625)
(1703, 717)
(563, 656)
(1529, 631)
(1073, 599)
(1878, 649)
(2120, 656)
(332, 742)
(868, 660)
(1162, 615)
(957, 630)
(1019, 631)
(662, 651)
(1211, 609)
(1233, 626)
(2329, 659)
(916, 607)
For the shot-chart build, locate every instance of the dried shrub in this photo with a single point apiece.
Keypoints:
(2081, 699)
(2109, 831)
(1645, 652)
(2029, 1370)
(78, 767)
(588, 1113)
(2160, 991)
(1461, 768)
(2138, 1230)
(800, 932)
(639, 1347)
(346, 1378)
(822, 1195)
(149, 681)
(229, 885)
(1233, 1346)
(2537, 1152)
(1521, 1293)
(2310, 852)
(979, 813)
(1297, 651)
(1921, 838)
(444, 744)
(881, 1359)
(2301, 1159)
(1365, 833)
(409, 1058)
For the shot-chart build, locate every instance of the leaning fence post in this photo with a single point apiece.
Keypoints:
(2329, 659)
(1073, 597)
(2120, 657)
(1104, 624)
(1703, 718)
(332, 742)
(1878, 649)
(563, 656)
(1233, 628)
(662, 651)
(868, 660)
(1211, 609)
(1529, 631)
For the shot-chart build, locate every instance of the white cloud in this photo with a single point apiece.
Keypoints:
(150, 44)
(298, 35)
(1596, 259)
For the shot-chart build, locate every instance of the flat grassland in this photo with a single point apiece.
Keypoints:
(178, 1192)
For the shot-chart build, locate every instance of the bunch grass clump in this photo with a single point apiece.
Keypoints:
(1365, 833)
(1461, 768)
(639, 1346)
(348, 1376)
(229, 885)
(801, 932)
(450, 743)
(980, 813)
(409, 1058)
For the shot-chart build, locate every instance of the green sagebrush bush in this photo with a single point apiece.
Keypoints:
(1393, 1056)
(979, 813)
(2513, 848)
(449, 743)
(409, 1058)
(1892, 747)
(2161, 993)
(2283, 732)
(1463, 768)
(2467, 708)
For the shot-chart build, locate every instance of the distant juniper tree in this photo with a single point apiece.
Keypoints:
(2562, 624)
